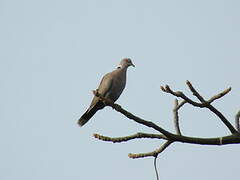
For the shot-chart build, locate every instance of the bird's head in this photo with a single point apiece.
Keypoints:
(126, 62)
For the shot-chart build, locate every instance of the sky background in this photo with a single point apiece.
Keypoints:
(53, 53)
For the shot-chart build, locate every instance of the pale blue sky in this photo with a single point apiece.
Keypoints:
(53, 53)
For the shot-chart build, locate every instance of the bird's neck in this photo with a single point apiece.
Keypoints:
(122, 69)
(120, 66)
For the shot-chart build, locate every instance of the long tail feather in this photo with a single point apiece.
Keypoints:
(86, 116)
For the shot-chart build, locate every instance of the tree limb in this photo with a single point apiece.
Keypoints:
(153, 153)
(175, 115)
(204, 103)
(169, 137)
(131, 137)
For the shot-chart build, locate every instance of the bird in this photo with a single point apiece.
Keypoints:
(110, 87)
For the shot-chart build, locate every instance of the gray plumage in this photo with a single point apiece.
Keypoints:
(110, 87)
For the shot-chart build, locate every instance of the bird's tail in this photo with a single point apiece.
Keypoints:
(86, 116)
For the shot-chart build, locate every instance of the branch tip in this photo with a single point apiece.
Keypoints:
(220, 95)
(162, 88)
(188, 82)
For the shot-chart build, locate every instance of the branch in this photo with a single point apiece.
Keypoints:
(195, 93)
(232, 139)
(133, 117)
(218, 96)
(169, 137)
(153, 153)
(204, 103)
(131, 137)
(223, 119)
(175, 115)
(180, 94)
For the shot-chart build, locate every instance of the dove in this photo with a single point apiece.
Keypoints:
(110, 87)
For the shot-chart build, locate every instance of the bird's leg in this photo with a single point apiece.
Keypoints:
(106, 101)
(96, 93)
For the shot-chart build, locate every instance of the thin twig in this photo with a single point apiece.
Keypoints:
(222, 118)
(131, 137)
(180, 94)
(153, 153)
(176, 117)
(195, 93)
(220, 95)
(181, 104)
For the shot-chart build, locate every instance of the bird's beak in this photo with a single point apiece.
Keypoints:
(132, 65)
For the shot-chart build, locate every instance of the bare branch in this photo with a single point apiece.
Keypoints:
(233, 139)
(195, 93)
(133, 117)
(222, 118)
(170, 138)
(204, 104)
(176, 117)
(210, 107)
(237, 121)
(180, 94)
(153, 153)
(218, 96)
(215, 97)
(181, 104)
(131, 137)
